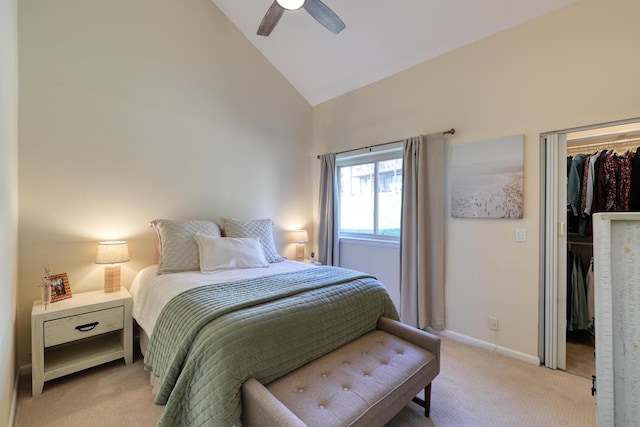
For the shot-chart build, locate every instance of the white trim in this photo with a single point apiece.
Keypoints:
(542, 265)
(393, 154)
(554, 255)
(551, 256)
(488, 346)
(14, 399)
(391, 151)
(24, 370)
(596, 126)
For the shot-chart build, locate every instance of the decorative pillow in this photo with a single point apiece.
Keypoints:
(226, 253)
(260, 228)
(178, 251)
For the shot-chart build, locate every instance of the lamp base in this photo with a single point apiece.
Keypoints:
(299, 252)
(112, 278)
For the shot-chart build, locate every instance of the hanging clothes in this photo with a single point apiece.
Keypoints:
(575, 183)
(583, 219)
(601, 182)
(611, 173)
(624, 187)
(635, 182)
(591, 179)
(579, 309)
(600, 185)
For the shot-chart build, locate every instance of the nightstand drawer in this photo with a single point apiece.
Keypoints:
(86, 325)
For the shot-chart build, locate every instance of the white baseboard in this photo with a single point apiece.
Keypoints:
(24, 370)
(14, 400)
(488, 346)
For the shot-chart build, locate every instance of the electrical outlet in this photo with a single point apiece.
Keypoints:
(493, 323)
(521, 236)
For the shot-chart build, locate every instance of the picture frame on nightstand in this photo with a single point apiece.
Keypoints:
(60, 288)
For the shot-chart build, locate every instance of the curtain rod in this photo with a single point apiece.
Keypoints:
(451, 131)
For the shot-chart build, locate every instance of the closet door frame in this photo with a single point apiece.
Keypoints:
(553, 247)
(553, 243)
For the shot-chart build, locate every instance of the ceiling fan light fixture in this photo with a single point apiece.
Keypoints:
(291, 4)
(318, 11)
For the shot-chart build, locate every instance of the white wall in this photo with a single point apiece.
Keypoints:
(8, 202)
(380, 259)
(131, 111)
(574, 67)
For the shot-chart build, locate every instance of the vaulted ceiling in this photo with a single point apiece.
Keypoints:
(381, 38)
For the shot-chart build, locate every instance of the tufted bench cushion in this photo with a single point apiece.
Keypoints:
(365, 382)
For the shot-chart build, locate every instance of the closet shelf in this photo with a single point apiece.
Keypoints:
(619, 146)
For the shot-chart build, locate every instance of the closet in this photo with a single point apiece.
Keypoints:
(603, 175)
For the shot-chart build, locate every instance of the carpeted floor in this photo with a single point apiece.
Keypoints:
(475, 388)
(580, 353)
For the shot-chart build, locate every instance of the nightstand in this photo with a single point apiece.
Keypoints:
(86, 330)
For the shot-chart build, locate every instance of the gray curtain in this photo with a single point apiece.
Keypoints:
(422, 235)
(328, 244)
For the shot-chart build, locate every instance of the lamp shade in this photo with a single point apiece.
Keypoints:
(299, 236)
(291, 4)
(112, 252)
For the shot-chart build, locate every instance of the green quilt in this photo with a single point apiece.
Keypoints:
(209, 340)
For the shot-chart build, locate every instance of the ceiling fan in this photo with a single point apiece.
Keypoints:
(318, 10)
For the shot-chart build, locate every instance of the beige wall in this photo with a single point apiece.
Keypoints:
(134, 111)
(574, 67)
(8, 202)
(131, 111)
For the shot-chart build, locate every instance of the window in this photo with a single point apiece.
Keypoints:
(370, 188)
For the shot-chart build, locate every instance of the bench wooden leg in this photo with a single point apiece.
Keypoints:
(426, 403)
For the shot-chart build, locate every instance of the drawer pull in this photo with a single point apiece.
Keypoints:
(87, 327)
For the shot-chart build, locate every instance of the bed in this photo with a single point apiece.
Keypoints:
(204, 334)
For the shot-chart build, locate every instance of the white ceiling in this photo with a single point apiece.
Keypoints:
(382, 37)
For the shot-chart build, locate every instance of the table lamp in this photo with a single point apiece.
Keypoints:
(299, 237)
(112, 253)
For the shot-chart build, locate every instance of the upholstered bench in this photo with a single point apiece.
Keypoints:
(363, 383)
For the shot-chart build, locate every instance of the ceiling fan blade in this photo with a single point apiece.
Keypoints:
(324, 15)
(270, 19)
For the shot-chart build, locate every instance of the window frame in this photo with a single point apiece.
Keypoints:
(394, 153)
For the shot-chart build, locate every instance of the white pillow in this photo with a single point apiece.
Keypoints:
(261, 228)
(226, 253)
(177, 249)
